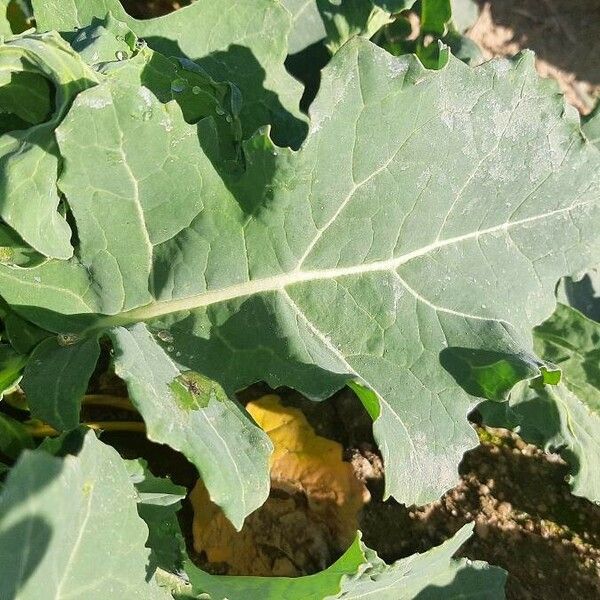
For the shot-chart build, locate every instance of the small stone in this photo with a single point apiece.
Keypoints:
(505, 508)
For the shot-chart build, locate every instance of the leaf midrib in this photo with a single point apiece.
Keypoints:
(283, 280)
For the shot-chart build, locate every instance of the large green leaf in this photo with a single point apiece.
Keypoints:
(56, 378)
(11, 368)
(337, 21)
(360, 574)
(562, 418)
(78, 534)
(248, 48)
(384, 251)
(307, 25)
(344, 20)
(568, 417)
(192, 414)
(28, 157)
(555, 419)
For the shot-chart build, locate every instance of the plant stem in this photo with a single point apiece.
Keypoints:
(111, 401)
(131, 426)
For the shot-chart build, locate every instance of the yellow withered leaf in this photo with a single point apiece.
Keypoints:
(310, 516)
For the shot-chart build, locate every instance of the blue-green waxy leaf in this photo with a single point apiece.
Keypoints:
(56, 378)
(582, 293)
(29, 157)
(432, 575)
(336, 22)
(566, 418)
(78, 535)
(158, 502)
(385, 251)
(562, 416)
(105, 41)
(556, 419)
(251, 57)
(194, 415)
(307, 25)
(591, 126)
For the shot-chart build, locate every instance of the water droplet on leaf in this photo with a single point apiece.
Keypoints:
(178, 85)
(196, 90)
(120, 55)
(165, 336)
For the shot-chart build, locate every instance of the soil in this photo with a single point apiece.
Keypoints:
(525, 518)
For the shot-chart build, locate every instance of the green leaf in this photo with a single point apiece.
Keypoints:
(335, 21)
(56, 378)
(158, 504)
(15, 251)
(22, 335)
(11, 368)
(104, 41)
(345, 20)
(557, 420)
(14, 437)
(591, 126)
(227, 49)
(307, 25)
(431, 575)
(78, 534)
(153, 491)
(321, 585)
(361, 574)
(28, 158)
(364, 256)
(193, 415)
(27, 95)
(464, 48)
(435, 15)
(572, 342)
(563, 418)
